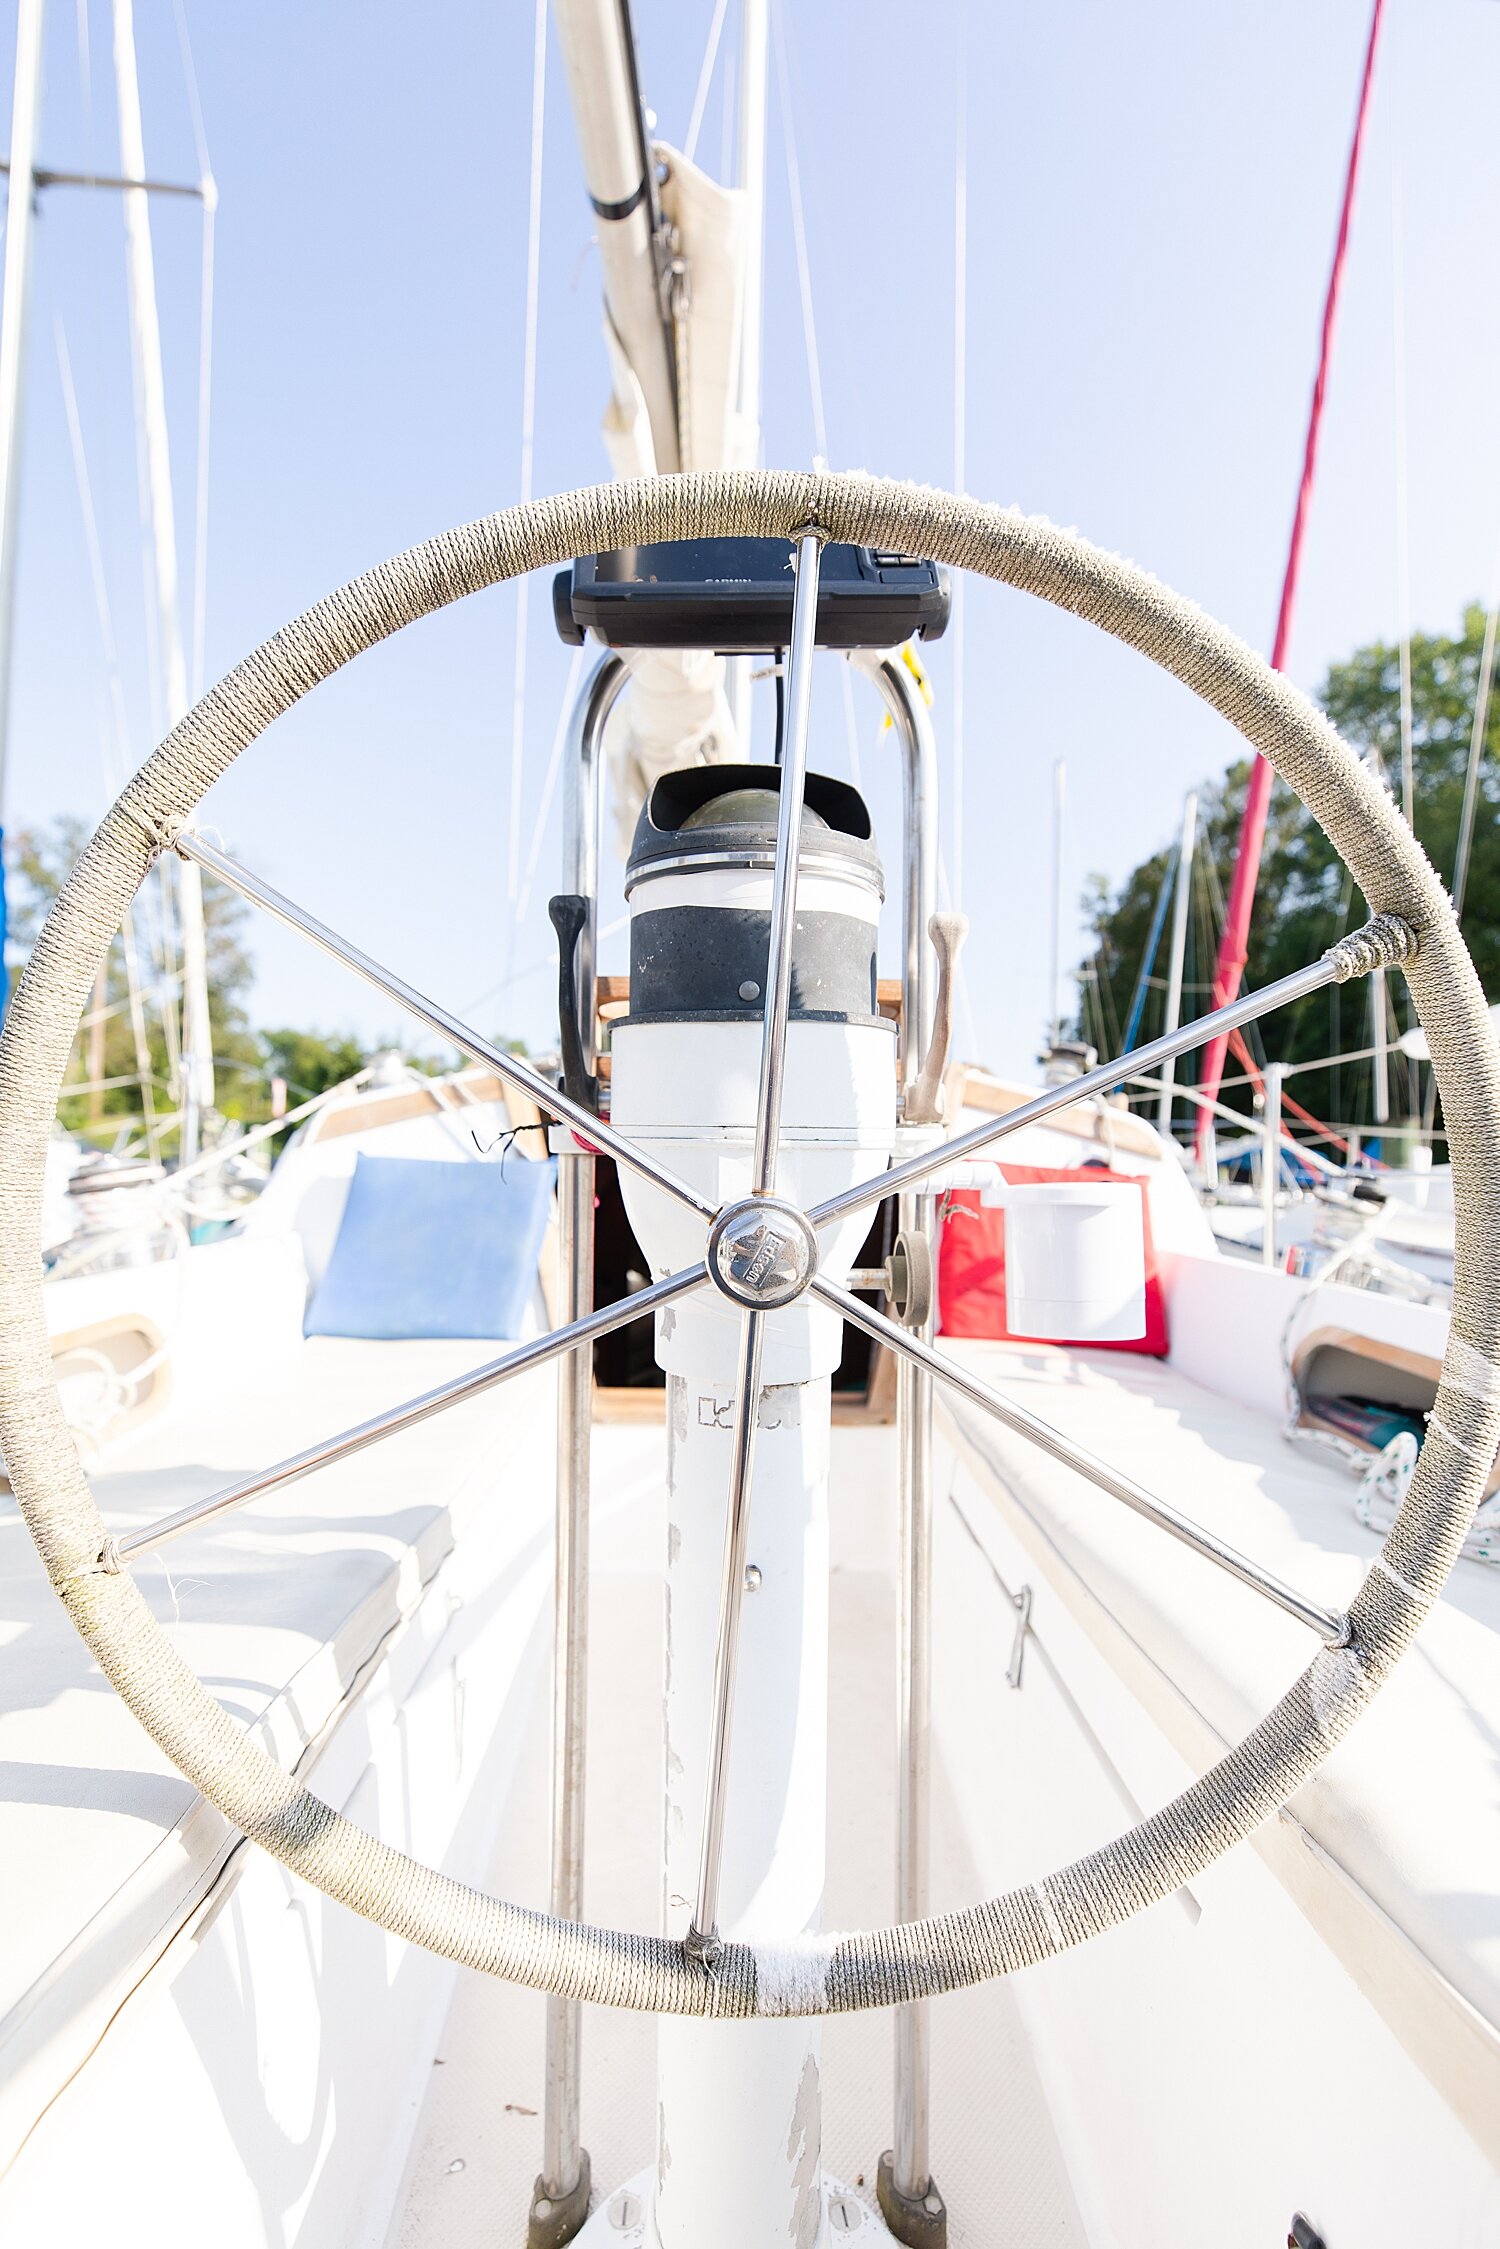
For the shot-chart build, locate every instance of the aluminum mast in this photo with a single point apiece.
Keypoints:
(197, 1066)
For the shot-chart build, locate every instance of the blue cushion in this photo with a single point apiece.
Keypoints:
(434, 1249)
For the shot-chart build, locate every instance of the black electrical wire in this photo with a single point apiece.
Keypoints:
(779, 673)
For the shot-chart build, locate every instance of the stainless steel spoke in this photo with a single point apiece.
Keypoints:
(1327, 1623)
(788, 842)
(1103, 1080)
(703, 1936)
(507, 1066)
(488, 1377)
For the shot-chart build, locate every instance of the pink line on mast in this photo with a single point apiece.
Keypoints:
(1234, 943)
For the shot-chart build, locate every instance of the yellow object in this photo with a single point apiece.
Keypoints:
(918, 670)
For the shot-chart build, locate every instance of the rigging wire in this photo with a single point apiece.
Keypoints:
(1233, 945)
(1335, 1011)
(528, 449)
(209, 196)
(134, 999)
(514, 976)
(726, 119)
(960, 435)
(1298, 1069)
(1105, 982)
(85, 75)
(1482, 691)
(549, 783)
(705, 79)
(1403, 532)
(799, 238)
(1144, 979)
(114, 780)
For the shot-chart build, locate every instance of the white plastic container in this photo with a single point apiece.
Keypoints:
(1075, 1261)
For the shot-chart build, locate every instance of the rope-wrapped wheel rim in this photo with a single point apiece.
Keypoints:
(1024, 1926)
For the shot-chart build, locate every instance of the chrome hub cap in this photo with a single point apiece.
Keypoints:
(762, 1253)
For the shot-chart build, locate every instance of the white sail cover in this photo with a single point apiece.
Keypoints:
(677, 712)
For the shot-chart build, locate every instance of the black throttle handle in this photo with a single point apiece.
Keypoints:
(569, 914)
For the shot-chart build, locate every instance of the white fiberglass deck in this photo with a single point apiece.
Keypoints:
(387, 1623)
(478, 2149)
(283, 1609)
(1408, 1807)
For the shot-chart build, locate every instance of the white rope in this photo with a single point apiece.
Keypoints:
(705, 79)
(210, 195)
(528, 447)
(799, 237)
(1476, 743)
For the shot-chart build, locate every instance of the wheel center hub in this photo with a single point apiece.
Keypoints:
(762, 1253)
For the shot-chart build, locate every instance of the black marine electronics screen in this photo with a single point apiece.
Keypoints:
(735, 596)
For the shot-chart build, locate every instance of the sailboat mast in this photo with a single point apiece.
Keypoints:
(1234, 944)
(197, 1068)
(14, 301)
(750, 178)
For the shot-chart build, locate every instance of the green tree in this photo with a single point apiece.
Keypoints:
(1305, 897)
(38, 861)
(310, 1063)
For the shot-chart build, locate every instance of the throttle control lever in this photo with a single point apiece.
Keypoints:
(569, 915)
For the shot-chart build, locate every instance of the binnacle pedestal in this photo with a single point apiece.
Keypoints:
(745, 1684)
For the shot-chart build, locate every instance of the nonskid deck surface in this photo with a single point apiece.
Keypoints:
(478, 2143)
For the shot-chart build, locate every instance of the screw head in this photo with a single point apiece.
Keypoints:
(749, 990)
(762, 1253)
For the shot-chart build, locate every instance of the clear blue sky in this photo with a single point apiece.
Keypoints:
(1152, 192)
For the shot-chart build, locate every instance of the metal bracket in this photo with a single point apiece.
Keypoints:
(921, 2221)
(1021, 1603)
(554, 2219)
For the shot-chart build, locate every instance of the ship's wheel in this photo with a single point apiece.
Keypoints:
(1414, 927)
